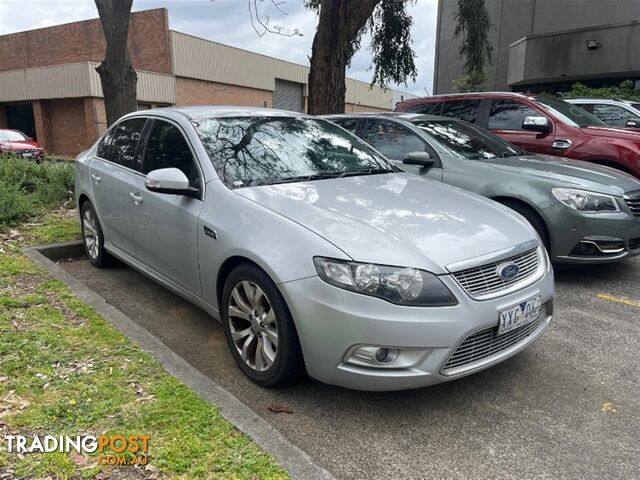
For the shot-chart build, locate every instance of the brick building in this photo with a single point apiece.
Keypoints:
(50, 90)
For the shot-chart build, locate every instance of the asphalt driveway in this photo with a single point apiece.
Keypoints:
(568, 407)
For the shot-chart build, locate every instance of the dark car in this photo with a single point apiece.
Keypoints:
(583, 213)
(539, 124)
(16, 143)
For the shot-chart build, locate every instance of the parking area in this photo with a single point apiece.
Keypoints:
(568, 407)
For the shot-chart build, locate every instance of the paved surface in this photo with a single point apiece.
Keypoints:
(568, 407)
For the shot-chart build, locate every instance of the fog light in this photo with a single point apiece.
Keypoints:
(372, 356)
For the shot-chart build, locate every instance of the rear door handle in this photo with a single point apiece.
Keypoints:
(96, 178)
(136, 197)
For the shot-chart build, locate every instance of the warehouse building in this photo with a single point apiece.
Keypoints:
(50, 90)
(547, 45)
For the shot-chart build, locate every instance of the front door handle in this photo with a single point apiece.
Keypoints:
(136, 197)
(96, 178)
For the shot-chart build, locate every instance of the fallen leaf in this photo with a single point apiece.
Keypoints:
(4, 379)
(608, 407)
(278, 408)
(79, 460)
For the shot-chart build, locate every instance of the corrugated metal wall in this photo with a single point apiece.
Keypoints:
(195, 57)
(77, 80)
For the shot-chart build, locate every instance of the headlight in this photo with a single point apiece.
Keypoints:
(399, 285)
(586, 201)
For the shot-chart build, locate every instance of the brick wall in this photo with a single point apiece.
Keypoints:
(84, 41)
(350, 107)
(63, 125)
(199, 92)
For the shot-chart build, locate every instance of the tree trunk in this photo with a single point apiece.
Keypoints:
(117, 75)
(339, 24)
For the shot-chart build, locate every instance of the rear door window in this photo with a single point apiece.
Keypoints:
(509, 115)
(392, 140)
(431, 108)
(123, 143)
(347, 123)
(466, 110)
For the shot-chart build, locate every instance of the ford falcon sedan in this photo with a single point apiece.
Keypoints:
(315, 253)
(584, 213)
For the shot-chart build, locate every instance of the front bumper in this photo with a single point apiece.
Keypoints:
(568, 228)
(331, 321)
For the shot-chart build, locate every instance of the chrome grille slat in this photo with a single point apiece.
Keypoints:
(486, 343)
(484, 280)
(633, 202)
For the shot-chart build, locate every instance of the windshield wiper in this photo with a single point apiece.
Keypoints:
(370, 171)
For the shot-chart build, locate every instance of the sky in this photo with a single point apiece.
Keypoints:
(229, 22)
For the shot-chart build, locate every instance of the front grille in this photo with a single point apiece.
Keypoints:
(633, 201)
(485, 280)
(634, 243)
(486, 343)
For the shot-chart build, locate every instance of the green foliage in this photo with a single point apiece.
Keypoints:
(390, 28)
(625, 91)
(27, 188)
(473, 25)
(466, 83)
(393, 57)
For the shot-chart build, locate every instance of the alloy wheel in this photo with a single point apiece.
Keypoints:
(90, 232)
(253, 325)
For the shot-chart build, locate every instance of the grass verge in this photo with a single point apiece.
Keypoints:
(64, 370)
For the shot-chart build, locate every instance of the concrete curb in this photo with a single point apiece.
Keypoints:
(298, 463)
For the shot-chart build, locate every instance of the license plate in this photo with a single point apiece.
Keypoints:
(27, 155)
(519, 315)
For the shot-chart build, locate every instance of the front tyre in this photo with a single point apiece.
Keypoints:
(93, 238)
(259, 329)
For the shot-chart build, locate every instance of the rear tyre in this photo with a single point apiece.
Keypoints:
(259, 328)
(533, 218)
(93, 238)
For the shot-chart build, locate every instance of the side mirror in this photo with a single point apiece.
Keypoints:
(536, 124)
(171, 181)
(422, 159)
(633, 124)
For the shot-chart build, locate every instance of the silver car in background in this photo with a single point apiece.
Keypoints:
(314, 252)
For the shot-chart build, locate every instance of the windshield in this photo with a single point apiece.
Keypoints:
(569, 113)
(466, 140)
(249, 151)
(12, 136)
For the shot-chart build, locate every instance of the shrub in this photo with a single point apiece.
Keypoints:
(625, 91)
(28, 189)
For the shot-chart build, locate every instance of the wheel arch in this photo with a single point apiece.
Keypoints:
(505, 200)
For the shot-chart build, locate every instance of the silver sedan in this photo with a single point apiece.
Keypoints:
(316, 254)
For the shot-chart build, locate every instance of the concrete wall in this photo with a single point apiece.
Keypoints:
(84, 42)
(515, 19)
(531, 63)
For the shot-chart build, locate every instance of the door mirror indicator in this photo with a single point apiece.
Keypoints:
(171, 181)
(536, 124)
(422, 159)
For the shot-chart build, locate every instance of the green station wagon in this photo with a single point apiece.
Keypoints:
(583, 213)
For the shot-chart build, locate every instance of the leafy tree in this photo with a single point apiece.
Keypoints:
(117, 75)
(341, 24)
(473, 25)
(625, 91)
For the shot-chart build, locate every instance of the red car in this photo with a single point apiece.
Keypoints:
(539, 124)
(14, 142)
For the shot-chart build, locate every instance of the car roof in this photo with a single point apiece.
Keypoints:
(445, 96)
(397, 115)
(599, 99)
(216, 111)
